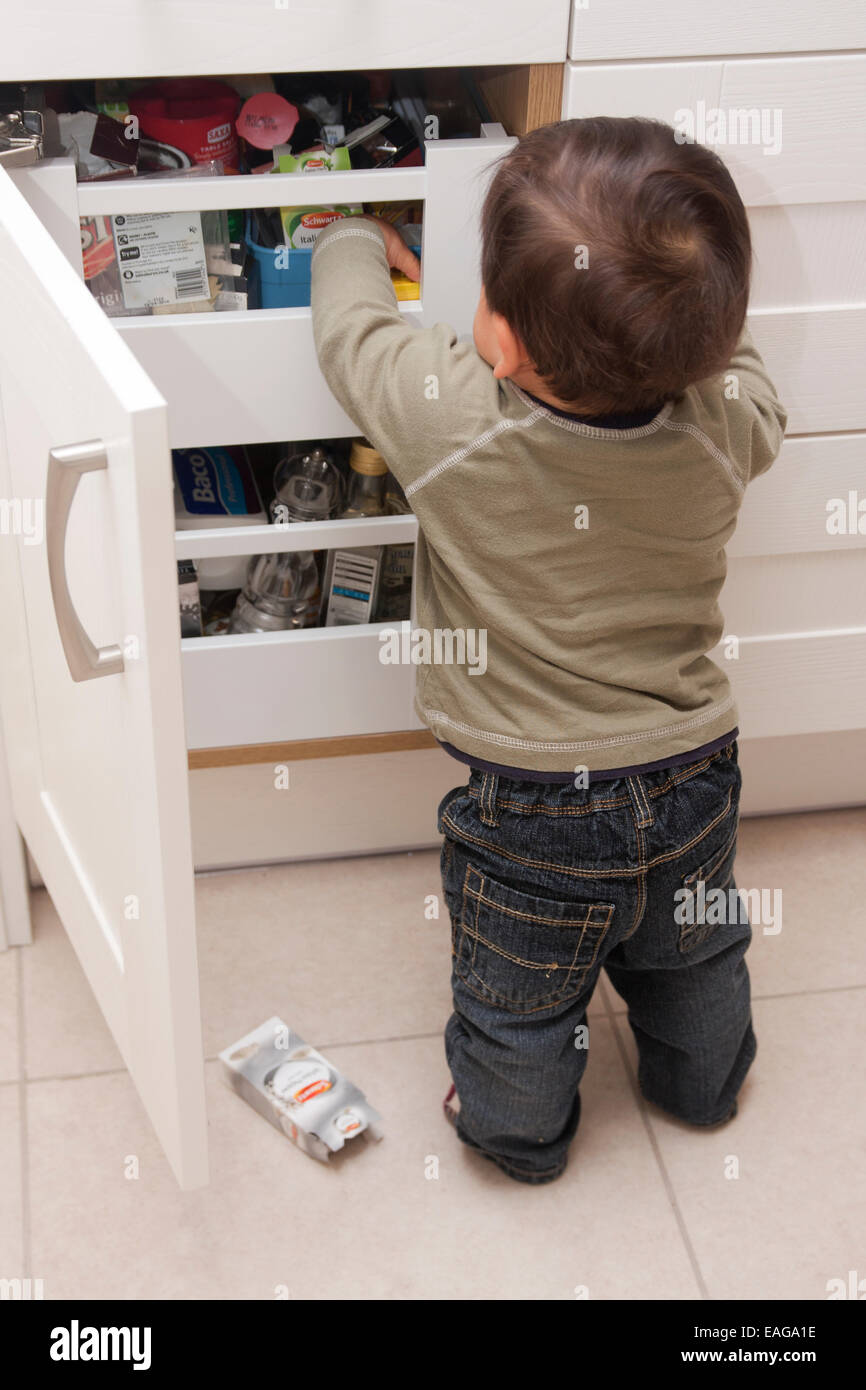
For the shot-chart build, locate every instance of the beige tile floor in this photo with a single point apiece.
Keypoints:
(342, 950)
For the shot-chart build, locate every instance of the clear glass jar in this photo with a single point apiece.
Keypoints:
(308, 486)
(281, 592)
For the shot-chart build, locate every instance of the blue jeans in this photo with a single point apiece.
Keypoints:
(545, 884)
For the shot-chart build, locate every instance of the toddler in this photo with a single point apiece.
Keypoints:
(576, 475)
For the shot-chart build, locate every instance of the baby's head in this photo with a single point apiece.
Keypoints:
(615, 265)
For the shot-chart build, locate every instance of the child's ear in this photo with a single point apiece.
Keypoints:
(512, 354)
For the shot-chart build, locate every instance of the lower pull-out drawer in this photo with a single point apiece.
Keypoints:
(277, 687)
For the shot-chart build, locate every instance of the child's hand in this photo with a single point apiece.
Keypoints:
(398, 253)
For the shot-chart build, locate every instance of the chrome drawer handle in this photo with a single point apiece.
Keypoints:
(65, 468)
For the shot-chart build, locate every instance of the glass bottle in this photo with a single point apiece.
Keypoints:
(395, 590)
(283, 590)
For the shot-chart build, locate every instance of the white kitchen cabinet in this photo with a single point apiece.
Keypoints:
(53, 40)
(97, 759)
(92, 707)
(795, 595)
(681, 29)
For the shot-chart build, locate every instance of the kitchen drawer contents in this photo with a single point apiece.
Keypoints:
(216, 487)
(169, 263)
(266, 120)
(101, 146)
(384, 142)
(190, 602)
(192, 119)
(353, 576)
(308, 486)
(298, 1090)
(280, 245)
(284, 591)
(163, 262)
(287, 591)
(301, 225)
(217, 608)
(281, 592)
(22, 138)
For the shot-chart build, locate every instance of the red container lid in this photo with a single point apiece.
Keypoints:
(266, 120)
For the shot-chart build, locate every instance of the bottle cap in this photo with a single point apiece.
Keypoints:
(365, 459)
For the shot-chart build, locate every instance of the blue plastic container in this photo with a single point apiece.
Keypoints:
(273, 286)
(283, 286)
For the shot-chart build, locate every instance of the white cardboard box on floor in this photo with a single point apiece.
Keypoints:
(298, 1090)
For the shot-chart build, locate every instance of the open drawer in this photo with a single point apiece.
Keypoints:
(288, 687)
(253, 375)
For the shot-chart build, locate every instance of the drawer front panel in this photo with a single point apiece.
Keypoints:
(679, 28)
(237, 378)
(786, 510)
(52, 39)
(815, 361)
(815, 146)
(276, 687)
(817, 593)
(782, 683)
(788, 272)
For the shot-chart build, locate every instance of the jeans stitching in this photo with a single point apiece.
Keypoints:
(589, 873)
(609, 803)
(574, 973)
(548, 921)
(638, 797)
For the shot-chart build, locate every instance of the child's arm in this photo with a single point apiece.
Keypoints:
(767, 415)
(413, 392)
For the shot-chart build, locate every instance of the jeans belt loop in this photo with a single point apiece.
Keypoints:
(640, 801)
(487, 798)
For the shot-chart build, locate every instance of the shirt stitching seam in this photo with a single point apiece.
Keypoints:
(596, 431)
(709, 446)
(349, 231)
(546, 746)
(458, 455)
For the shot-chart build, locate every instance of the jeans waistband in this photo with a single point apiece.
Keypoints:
(640, 789)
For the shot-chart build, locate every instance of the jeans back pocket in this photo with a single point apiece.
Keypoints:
(523, 952)
(701, 910)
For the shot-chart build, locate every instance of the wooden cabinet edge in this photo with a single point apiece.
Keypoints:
(522, 98)
(352, 745)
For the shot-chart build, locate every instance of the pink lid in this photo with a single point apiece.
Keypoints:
(267, 120)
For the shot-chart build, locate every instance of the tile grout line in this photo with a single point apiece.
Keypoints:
(26, 1243)
(621, 1010)
(611, 1008)
(121, 1071)
(665, 1176)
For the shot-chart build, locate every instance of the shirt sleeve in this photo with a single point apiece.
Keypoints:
(416, 393)
(767, 416)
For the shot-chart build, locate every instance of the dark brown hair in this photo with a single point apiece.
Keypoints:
(662, 300)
